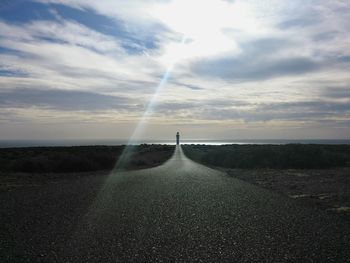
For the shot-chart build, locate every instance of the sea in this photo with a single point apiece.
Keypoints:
(50, 143)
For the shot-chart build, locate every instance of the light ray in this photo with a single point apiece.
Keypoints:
(135, 137)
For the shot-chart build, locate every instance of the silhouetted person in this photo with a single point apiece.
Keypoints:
(177, 138)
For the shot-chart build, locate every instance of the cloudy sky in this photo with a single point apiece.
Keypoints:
(220, 69)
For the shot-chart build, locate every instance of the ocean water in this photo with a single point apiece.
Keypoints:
(38, 143)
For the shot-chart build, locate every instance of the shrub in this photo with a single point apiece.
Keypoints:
(302, 156)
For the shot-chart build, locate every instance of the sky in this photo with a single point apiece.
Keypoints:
(216, 69)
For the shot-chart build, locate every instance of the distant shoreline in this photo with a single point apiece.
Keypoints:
(111, 142)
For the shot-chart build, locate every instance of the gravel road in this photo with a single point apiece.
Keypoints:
(180, 211)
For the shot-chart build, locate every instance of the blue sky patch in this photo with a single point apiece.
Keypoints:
(21, 12)
(10, 73)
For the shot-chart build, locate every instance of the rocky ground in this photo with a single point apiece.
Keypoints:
(180, 211)
(326, 188)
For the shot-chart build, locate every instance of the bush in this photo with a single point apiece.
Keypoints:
(69, 159)
(303, 156)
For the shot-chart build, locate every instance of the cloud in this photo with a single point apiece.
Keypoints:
(325, 36)
(64, 100)
(64, 32)
(307, 111)
(299, 22)
(70, 32)
(199, 109)
(59, 53)
(345, 59)
(258, 60)
(188, 86)
(73, 59)
(8, 116)
(336, 92)
(320, 107)
(133, 14)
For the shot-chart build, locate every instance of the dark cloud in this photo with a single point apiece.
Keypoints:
(336, 92)
(248, 68)
(259, 47)
(62, 100)
(309, 111)
(325, 36)
(256, 62)
(299, 22)
(306, 111)
(189, 86)
(345, 59)
(307, 107)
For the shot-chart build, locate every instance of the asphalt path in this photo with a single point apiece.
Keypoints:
(180, 211)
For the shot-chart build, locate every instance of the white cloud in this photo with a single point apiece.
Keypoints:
(62, 52)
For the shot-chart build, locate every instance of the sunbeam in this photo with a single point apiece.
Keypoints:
(103, 196)
(135, 137)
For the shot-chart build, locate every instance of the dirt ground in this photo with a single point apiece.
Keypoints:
(327, 188)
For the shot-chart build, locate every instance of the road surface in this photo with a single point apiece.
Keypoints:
(180, 211)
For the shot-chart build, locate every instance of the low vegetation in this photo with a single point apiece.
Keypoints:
(79, 158)
(297, 156)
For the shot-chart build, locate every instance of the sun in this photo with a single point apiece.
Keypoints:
(203, 23)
